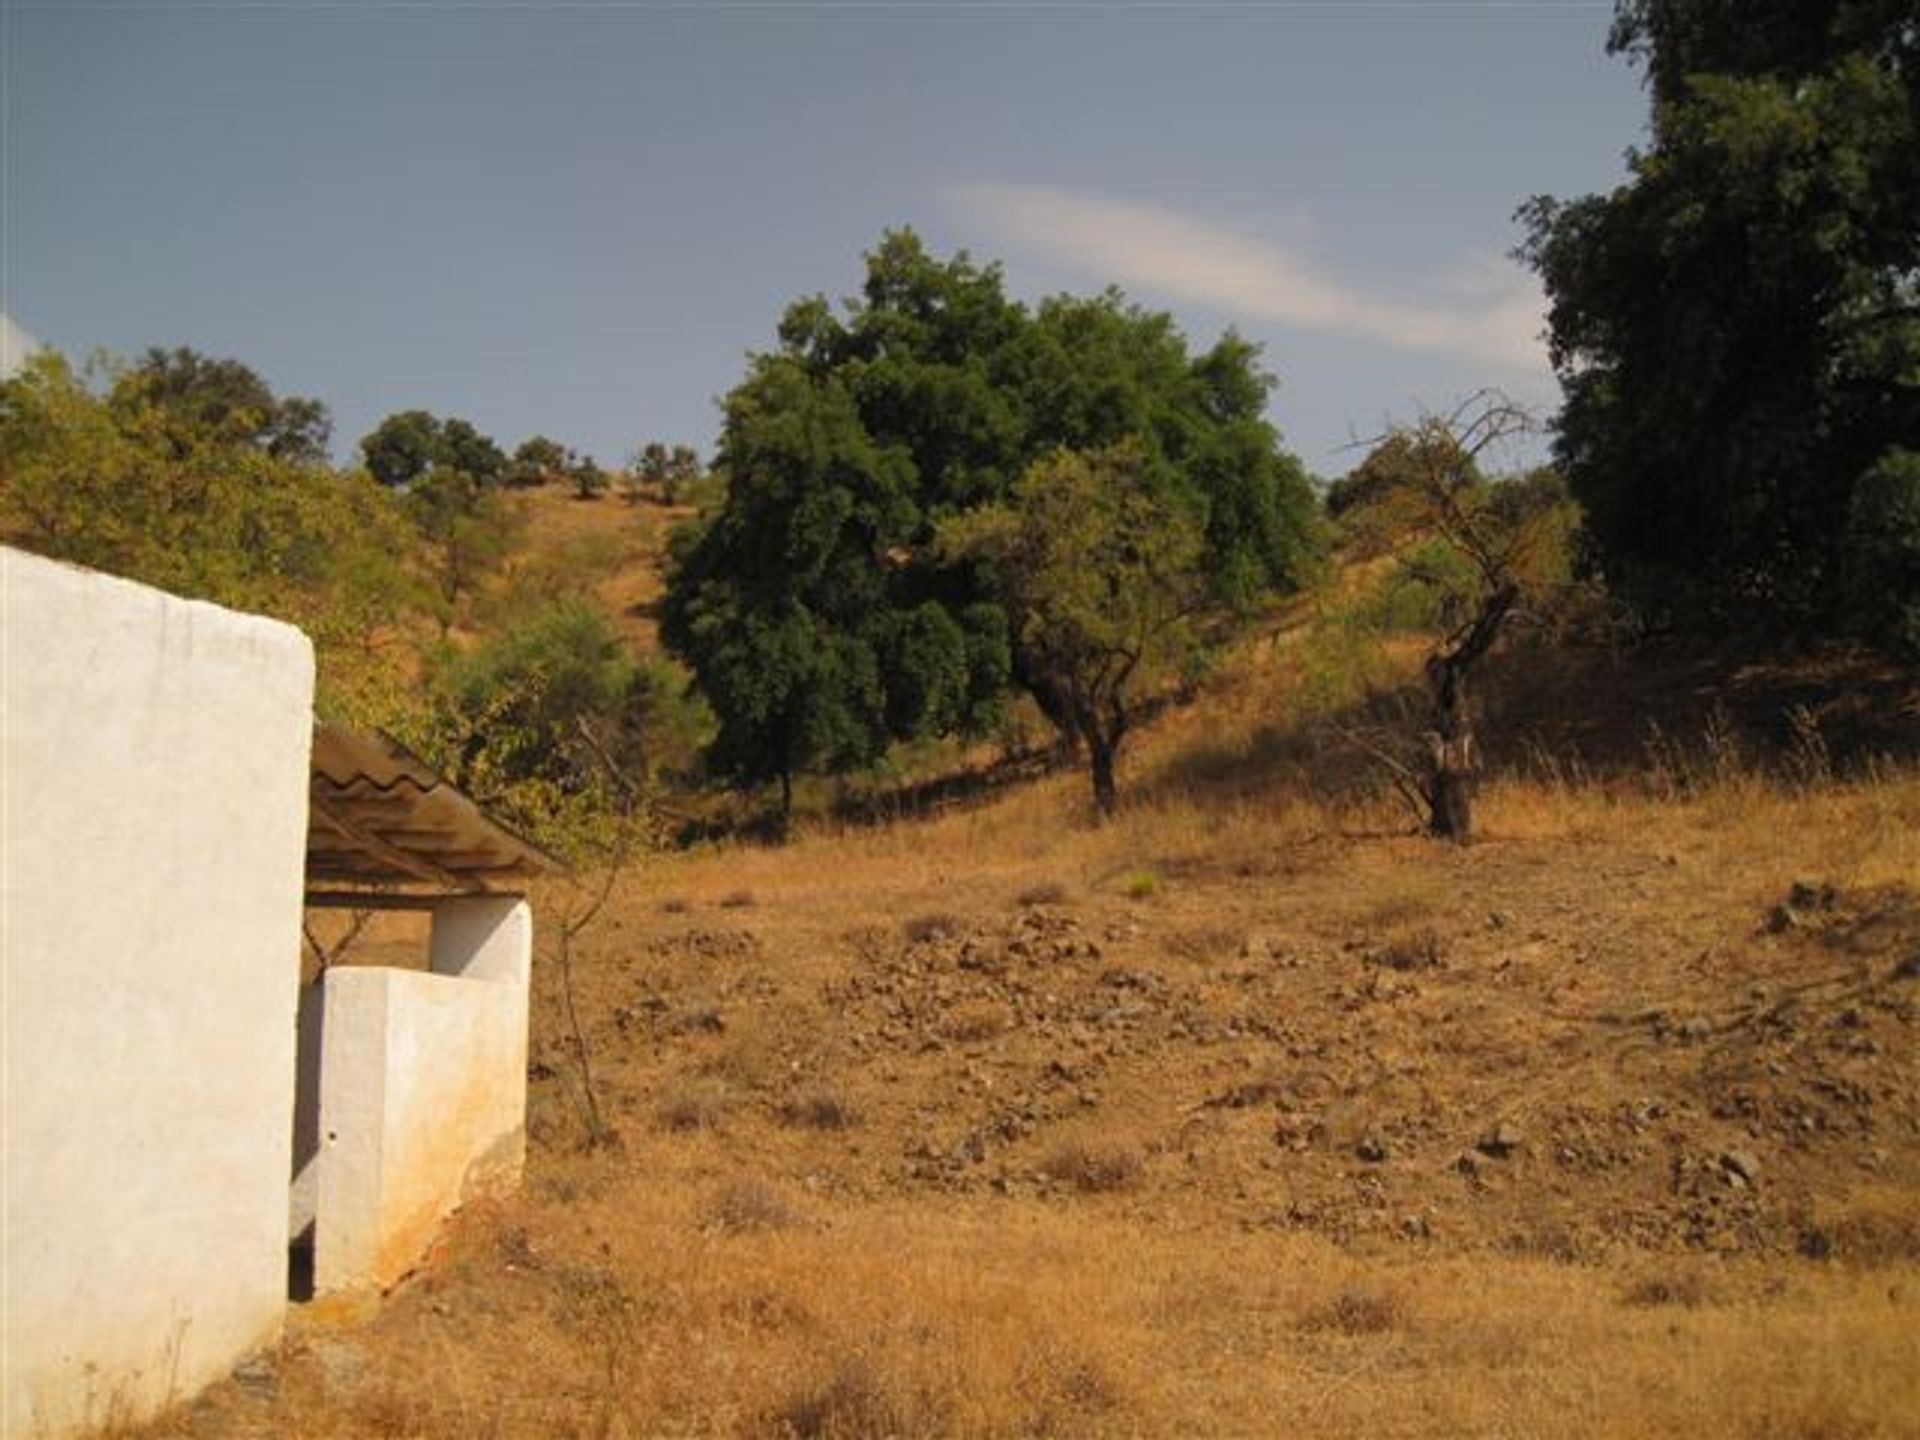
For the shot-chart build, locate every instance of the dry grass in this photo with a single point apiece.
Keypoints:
(1092, 1167)
(1107, 1176)
(694, 1105)
(958, 1321)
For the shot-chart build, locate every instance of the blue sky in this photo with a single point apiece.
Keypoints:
(578, 219)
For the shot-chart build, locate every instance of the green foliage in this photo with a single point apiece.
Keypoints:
(536, 461)
(1459, 535)
(672, 474)
(1419, 594)
(812, 603)
(1883, 549)
(1737, 328)
(468, 531)
(555, 723)
(138, 487)
(402, 448)
(225, 401)
(589, 480)
(1096, 559)
(413, 445)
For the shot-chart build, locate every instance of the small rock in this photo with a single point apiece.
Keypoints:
(1502, 1140)
(1782, 918)
(1414, 1227)
(1811, 895)
(1467, 1163)
(1372, 1149)
(1741, 1166)
(257, 1373)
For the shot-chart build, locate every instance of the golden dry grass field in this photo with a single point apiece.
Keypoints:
(1247, 1114)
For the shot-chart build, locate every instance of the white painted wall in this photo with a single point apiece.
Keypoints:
(153, 781)
(422, 1093)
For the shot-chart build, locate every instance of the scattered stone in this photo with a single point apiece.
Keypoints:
(1467, 1163)
(1741, 1167)
(1811, 895)
(1502, 1140)
(1372, 1149)
(1694, 1027)
(1782, 918)
(257, 1373)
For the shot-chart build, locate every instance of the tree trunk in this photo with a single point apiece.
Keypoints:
(1450, 789)
(1452, 801)
(1100, 753)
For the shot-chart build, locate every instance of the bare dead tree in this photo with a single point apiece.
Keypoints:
(1439, 487)
(582, 906)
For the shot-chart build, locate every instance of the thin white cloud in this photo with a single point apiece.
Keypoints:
(1487, 310)
(15, 346)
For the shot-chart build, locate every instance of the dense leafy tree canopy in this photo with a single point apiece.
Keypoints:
(1737, 328)
(413, 444)
(819, 616)
(224, 400)
(545, 713)
(537, 461)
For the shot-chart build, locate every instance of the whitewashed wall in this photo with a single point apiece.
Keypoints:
(422, 1093)
(153, 781)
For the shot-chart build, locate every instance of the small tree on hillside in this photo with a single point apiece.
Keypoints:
(1509, 538)
(682, 474)
(589, 480)
(1101, 578)
(537, 462)
(670, 473)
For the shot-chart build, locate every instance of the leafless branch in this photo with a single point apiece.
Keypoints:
(324, 957)
(1406, 781)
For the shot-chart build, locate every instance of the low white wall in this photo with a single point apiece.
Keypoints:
(153, 781)
(422, 1093)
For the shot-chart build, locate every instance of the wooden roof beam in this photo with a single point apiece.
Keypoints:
(419, 867)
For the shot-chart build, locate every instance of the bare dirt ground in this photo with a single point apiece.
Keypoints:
(1241, 1121)
(1249, 1114)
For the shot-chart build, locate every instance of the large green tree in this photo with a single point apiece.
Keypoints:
(1737, 327)
(818, 613)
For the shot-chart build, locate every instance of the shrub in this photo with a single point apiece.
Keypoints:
(817, 1110)
(1357, 1310)
(1092, 1168)
(694, 1105)
(748, 1203)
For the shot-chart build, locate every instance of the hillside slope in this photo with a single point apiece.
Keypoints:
(1240, 1115)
